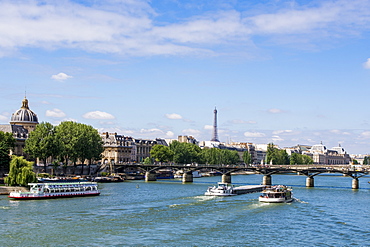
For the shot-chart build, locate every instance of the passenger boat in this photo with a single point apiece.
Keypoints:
(57, 190)
(276, 194)
(222, 189)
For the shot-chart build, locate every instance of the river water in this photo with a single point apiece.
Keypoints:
(170, 213)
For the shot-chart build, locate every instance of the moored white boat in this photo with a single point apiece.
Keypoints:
(179, 174)
(276, 194)
(222, 189)
(57, 190)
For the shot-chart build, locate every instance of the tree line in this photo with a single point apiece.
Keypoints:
(277, 156)
(187, 153)
(68, 142)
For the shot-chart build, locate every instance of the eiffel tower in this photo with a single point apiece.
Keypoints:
(215, 135)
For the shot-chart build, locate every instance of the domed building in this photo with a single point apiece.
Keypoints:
(22, 122)
(323, 156)
(25, 117)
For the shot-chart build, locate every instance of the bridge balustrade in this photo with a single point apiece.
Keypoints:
(266, 170)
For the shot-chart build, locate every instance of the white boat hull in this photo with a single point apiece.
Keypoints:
(274, 200)
(33, 196)
(57, 190)
(210, 193)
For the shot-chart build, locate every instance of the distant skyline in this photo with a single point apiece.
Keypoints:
(287, 72)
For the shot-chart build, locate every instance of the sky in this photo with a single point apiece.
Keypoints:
(286, 72)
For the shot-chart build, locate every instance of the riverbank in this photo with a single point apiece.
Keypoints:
(5, 190)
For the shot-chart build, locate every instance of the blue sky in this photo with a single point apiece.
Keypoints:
(287, 72)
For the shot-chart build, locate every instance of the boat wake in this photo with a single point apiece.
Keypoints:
(298, 200)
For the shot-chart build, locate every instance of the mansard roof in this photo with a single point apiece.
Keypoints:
(19, 132)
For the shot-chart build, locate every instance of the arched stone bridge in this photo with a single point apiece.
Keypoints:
(310, 171)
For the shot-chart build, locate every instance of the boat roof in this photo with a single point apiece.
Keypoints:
(63, 183)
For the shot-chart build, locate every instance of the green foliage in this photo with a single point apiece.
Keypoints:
(68, 141)
(161, 153)
(216, 156)
(211, 156)
(276, 156)
(247, 158)
(7, 142)
(20, 172)
(185, 153)
(366, 160)
(355, 162)
(300, 159)
(147, 161)
(42, 143)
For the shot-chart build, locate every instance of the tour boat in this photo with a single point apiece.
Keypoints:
(57, 190)
(277, 193)
(222, 189)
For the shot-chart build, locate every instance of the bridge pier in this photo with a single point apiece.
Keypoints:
(355, 185)
(310, 182)
(187, 177)
(226, 178)
(150, 176)
(266, 180)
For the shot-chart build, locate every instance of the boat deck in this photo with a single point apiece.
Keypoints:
(249, 189)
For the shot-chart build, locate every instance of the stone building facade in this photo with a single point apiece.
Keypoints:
(120, 149)
(323, 156)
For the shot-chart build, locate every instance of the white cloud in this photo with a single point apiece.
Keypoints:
(55, 113)
(276, 138)
(239, 121)
(278, 132)
(98, 115)
(169, 134)
(339, 132)
(129, 28)
(61, 77)
(208, 127)
(367, 64)
(173, 116)
(151, 131)
(365, 134)
(254, 134)
(275, 110)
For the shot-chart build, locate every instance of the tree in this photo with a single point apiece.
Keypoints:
(20, 172)
(161, 153)
(307, 160)
(216, 156)
(7, 143)
(185, 153)
(211, 156)
(300, 159)
(276, 156)
(147, 161)
(42, 143)
(270, 154)
(89, 144)
(366, 160)
(67, 133)
(247, 157)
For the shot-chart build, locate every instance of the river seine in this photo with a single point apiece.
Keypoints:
(170, 213)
